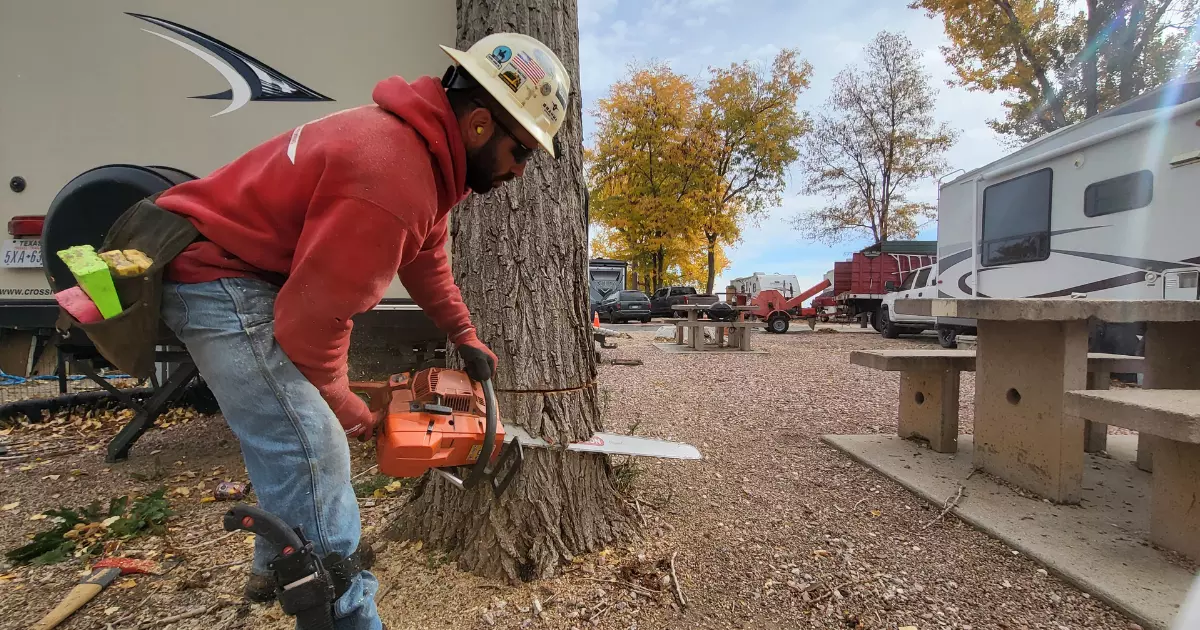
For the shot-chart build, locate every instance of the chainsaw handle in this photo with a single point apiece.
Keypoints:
(263, 523)
(479, 470)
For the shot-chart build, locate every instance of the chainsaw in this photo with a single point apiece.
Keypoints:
(440, 420)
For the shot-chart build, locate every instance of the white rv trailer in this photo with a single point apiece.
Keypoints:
(187, 86)
(786, 284)
(1104, 208)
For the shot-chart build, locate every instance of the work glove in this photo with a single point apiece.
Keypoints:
(365, 430)
(478, 359)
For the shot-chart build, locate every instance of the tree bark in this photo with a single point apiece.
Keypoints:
(712, 262)
(520, 259)
(1091, 52)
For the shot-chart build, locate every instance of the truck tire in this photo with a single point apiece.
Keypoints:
(777, 324)
(887, 327)
(876, 320)
(947, 337)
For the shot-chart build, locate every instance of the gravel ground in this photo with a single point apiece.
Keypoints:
(773, 529)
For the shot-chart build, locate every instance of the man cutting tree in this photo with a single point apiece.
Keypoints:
(309, 229)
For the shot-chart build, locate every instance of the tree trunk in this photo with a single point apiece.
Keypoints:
(712, 262)
(520, 259)
(1091, 51)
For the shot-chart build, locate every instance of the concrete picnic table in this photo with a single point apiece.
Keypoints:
(1031, 352)
(739, 330)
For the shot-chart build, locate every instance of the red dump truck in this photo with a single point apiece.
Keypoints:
(859, 284)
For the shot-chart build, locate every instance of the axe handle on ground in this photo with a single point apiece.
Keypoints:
(80, 595)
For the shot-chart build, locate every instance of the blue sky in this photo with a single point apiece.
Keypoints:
(693, 35)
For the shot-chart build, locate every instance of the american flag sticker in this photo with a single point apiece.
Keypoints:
(528, 67)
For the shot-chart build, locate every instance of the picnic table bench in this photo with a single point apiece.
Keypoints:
(929, 390)
(1171, 419)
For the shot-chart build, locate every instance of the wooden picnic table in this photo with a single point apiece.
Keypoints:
(1031, 352)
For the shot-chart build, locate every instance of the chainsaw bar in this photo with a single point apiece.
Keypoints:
(610, 444)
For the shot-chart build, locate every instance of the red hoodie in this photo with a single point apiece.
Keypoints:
(338, 207)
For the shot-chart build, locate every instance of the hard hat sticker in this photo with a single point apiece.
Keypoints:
(543, 59)
(528, 67)
(500, 55)
(511, 78)
(550, 113)
(562, 99)
(546, 89)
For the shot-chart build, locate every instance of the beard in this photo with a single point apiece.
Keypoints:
(481, 167)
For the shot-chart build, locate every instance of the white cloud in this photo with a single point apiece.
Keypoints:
(695, 22)
(592, 11)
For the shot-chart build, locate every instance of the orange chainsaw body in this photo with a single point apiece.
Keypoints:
(435, 419)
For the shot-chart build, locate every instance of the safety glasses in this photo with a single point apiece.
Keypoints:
(520, 153)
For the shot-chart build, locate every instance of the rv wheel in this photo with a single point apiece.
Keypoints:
(947, 337)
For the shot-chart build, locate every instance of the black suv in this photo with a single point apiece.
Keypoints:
(623, 306)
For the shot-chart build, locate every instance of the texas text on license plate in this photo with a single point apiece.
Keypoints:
(21, 253)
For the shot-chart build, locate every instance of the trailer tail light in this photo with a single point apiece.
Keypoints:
(28, 226)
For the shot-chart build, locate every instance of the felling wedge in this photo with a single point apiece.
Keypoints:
(438, 419)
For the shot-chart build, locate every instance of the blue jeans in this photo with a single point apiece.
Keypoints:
(293, 446)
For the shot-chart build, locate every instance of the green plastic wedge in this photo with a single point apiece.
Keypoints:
(91, 272)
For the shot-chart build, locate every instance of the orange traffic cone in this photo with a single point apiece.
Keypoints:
(595, 319)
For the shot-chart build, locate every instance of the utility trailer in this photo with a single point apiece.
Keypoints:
(861, 283)
(1102, 209)
(103, 94)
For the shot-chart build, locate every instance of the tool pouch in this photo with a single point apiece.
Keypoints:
(128, 339)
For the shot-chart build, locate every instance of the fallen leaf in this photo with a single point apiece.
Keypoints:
(250, 540)
(419, 545)
(875, 513)
(38, 517)
(130, 583)
(25, 468)
(111, 609)
(190, 474)
(110, 520)
(52, 477)
(6, 431)
(208, 500)
(10, 506)
(182, 491)
(94, 447)
(7, 577)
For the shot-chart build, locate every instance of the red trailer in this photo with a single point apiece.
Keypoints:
(860, 283)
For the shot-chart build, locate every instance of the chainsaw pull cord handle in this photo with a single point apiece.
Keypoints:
(479, 470)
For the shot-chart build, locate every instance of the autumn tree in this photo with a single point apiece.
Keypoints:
(1061, 61)
(644, 168)
(753, 133)
(873, 140)
(520, 258)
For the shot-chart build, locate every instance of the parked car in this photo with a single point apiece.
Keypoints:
(623, 306)
(665, 299)
(919, 283)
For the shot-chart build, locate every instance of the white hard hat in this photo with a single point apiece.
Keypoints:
(524, 76)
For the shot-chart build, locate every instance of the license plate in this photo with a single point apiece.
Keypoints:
(635, 306)
(21, 253)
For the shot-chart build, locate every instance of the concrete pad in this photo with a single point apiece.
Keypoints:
(915, 360)
(1054, 309)
(673, 348)
(1097, 546)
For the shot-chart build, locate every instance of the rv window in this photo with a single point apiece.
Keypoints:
(1127, 192)
(922, 278)
(1016, 219)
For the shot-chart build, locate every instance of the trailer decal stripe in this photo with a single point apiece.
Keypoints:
(1144, 264)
